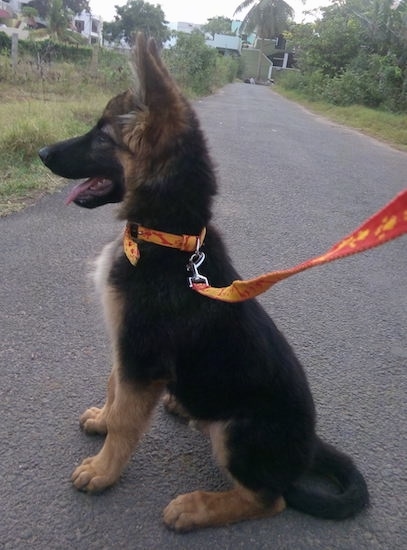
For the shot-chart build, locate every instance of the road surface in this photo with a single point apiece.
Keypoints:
(291, 185)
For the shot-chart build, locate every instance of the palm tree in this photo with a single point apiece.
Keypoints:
(58, 19)
(268, 18)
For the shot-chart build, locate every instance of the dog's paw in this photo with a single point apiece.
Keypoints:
(91, 476)
(93, 421)
(186, 512)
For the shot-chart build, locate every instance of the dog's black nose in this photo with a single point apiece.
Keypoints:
(45, 154)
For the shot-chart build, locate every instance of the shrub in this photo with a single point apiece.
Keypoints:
(192, 63)
(290, 80)
(226, 70)
(5, 42)
(345, 89)
(49, 51)
(313, 84)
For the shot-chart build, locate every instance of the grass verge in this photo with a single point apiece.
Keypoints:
(390, 128)
(28, 125)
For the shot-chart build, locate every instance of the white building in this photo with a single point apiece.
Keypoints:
(90, 26)
(13, 6)
(225, 43)
(8, 10)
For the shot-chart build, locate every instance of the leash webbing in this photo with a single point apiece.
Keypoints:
(387, 224)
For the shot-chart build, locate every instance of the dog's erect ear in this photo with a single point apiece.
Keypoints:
(154, 128)
(156, 87)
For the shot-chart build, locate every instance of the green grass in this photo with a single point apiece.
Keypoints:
(42, 104)
(45, 103)
(28, 125)
(390, 128)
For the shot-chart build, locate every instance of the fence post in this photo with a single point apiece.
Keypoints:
(14, 50)
(95, 60)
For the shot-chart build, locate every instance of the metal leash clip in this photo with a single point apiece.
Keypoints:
(195, 261)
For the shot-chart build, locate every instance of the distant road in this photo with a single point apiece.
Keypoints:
(291, 185)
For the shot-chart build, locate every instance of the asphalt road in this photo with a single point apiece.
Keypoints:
(292, 184)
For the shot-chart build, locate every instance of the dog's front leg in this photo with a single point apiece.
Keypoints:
(94, 419)
(126, 418)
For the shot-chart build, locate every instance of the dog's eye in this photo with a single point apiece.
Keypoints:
(103, 138)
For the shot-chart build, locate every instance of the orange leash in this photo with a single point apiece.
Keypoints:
(388, 223)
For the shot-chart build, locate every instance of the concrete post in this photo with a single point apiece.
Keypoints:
(14, 50)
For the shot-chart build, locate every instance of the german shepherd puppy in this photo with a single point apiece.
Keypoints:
(226, 365)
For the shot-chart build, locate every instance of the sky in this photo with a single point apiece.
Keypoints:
(196, 12)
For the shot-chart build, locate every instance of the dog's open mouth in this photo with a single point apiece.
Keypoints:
(89, 189)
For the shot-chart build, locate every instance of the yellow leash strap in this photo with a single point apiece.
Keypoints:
(388, 223)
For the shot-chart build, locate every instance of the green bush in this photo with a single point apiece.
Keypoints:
(5, 42)
(345, 89)
(192, 63)
(362, 51)
(226, 70)
(372, 80)
(313, 84)
(290, 80)
(49, 51)
(5, 67)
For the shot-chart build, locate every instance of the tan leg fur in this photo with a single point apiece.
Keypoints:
(210, 509)
(93, 420)
(126, 419)
(128, 408)
(172, 406)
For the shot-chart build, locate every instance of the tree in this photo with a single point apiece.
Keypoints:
(269, 18)
(192, 62)
(356, 52)
(76, 6)
(337, 39)
(58, 19)
(134, 16)
(383, 22)
(44, 7)
(218, 25)
(349, 28)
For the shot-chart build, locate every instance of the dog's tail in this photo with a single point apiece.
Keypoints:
(352, 497)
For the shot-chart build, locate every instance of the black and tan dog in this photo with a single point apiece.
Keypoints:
(226, 365)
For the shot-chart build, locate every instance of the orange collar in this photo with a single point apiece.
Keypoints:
(135, 232)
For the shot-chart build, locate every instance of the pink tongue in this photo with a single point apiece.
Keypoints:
(80, 188)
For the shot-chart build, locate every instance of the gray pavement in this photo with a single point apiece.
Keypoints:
(291, 185)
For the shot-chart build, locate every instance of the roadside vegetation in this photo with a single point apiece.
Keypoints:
(49, 96)
(355, 53)
(386, 126)
(44, 101)
(350, 66)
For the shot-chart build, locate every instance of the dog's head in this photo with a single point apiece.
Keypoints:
(133, 142)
